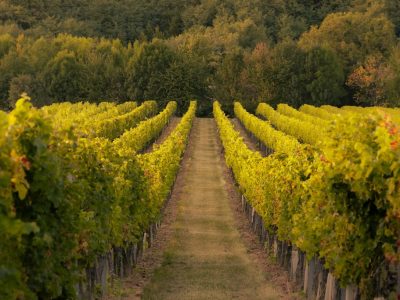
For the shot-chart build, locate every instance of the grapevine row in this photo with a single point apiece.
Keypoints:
(332, 109)
(304, 131)
(244, 162)
(73, 110)
(112, 112)
(392, 113)
(68, 108)
(113, 127)
(263, 131)
(331, 204)
(286, 110)
(65, 200)
(140, 136)
(317, 112)
(161, 166)
(68, 114)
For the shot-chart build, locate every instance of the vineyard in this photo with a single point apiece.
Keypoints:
(83, 192)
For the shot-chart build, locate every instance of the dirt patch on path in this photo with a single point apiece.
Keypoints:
(206, 257)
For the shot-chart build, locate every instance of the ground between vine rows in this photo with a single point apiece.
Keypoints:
(205, 248)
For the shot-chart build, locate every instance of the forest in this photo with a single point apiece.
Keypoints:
(337, 52)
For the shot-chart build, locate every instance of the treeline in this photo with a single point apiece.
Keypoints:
(127, 20)
(130, 20)
(335, 52)
(69, 68)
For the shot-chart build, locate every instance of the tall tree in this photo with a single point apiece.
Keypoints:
(65, 77)
(325, 77)
(227, 81)
(352, 35)
(149, 63)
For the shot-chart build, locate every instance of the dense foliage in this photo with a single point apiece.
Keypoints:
(332, 52)
(66, 199)
(264, 132)
(137, 138)
(305, 131)
(338, 201)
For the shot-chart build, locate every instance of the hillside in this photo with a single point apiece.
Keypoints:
(332, 52)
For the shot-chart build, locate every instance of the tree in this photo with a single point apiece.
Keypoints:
(227, 81)
(14, 13)
(148, 63)
(19, 85)
(106, 63)
(14, 62)
(254, 75)
(391, 8)
(184, 80)
(201, 14)
(393, 11)
(368, 81)
(52, 26)
(352, 35)
(393, 79)
(325, 77)
(250, 34)
(276, 75)
(156, 72)
(284, 74)
(290, 27)
(65, 77)
(6, 43)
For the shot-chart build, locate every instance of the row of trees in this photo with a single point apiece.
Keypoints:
(222, 50)
(129, 20)
(68, 68)
(126, 20)
(351, 58)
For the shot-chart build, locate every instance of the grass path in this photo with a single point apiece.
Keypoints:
(206, 257)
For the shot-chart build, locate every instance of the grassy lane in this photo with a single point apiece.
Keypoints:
(206, 257)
